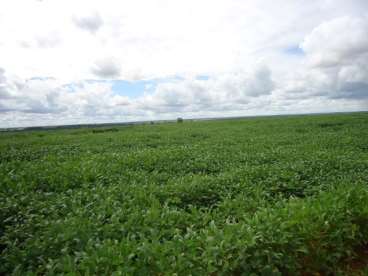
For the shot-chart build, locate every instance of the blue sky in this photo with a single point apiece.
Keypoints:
(294, 50)
(132, 89)
(137, 88)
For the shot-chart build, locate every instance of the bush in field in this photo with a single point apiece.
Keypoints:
(104, 130)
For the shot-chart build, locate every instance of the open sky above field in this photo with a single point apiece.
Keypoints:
(65, 62)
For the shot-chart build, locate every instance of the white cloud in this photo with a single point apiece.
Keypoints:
(337, 51)
(106, 68)
(49, 49)
(337, 42)
(90, 23)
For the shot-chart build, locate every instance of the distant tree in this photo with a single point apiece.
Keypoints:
(152, 122)
(180, 120)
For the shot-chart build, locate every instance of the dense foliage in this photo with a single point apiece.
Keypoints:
(270, 196)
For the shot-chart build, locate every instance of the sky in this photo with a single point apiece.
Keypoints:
(76, 61)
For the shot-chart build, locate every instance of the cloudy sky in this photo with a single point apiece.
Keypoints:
(74, 61)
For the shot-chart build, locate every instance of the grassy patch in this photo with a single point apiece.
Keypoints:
(268, 196)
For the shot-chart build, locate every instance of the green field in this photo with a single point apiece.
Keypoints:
(281, 195)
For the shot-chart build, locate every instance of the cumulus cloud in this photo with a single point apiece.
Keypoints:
(337, 42)
(231, 90)
(241, 84)
(91, 23)
(106, 68)
(2, 75)
(50, 39)
(8, 87)
(33, 96)
(3, 92)
(337, 51)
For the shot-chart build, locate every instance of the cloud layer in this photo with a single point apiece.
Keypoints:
(207, 58)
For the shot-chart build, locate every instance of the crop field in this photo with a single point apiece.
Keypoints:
(281, 195)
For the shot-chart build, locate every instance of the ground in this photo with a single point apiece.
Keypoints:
(283, 195)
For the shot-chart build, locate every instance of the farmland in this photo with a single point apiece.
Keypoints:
(270, 195)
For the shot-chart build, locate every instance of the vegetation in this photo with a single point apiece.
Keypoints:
(271, 196)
